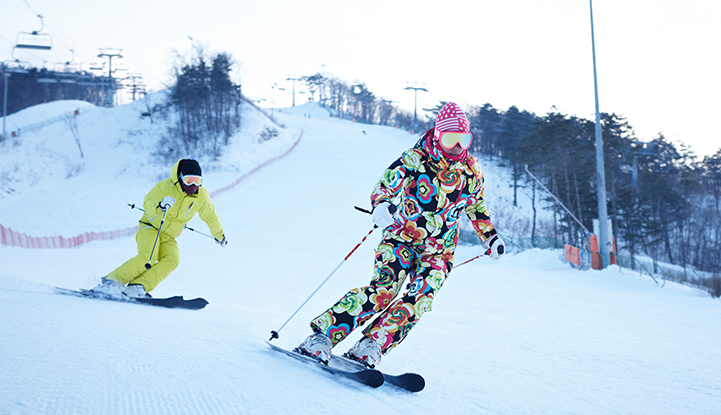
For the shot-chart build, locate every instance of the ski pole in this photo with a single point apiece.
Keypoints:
(132, 206)
(204, 234)
(274, 333)
(165, 212)
(488, 252)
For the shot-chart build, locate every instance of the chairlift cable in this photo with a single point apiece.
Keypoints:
(57, 38)
(31, 9)
(7, 40)
(74, 41)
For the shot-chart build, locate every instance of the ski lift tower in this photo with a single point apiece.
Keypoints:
(415, 106)
(110, 54)
(294, 78)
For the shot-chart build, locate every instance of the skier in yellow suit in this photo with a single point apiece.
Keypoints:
(178, 198)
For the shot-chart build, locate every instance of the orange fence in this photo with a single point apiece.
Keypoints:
(596, 262)
(572, 254)
(10, 237)
(575, 255)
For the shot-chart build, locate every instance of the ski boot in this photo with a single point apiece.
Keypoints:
(366, 351)
(317, 346)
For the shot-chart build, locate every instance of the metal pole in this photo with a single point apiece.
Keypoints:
(294, 78)
(415, 106)
(601, 172)
(5, 103)
(110, 86)
(415, 111)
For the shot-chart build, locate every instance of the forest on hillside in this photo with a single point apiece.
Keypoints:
(664, 201)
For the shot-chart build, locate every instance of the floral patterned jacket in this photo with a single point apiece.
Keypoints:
(431, 191)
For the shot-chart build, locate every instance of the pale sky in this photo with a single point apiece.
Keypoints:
(658, 61)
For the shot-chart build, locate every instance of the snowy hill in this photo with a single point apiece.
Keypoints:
(522, 335)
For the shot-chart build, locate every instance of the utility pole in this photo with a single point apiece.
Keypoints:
(415, 106)
(110, 54)
(294, 78)
(600, 169)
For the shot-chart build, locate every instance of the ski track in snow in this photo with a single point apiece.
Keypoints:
(522, 335)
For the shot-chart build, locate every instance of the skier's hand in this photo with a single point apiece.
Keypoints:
(384, 215)
(497, 247)
(222, 242)
(167, 202)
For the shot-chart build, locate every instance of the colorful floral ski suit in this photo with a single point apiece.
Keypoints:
(431, 192)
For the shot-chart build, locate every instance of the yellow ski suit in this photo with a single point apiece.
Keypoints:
(166, 256)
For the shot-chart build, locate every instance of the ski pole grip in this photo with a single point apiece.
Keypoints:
(392, 209)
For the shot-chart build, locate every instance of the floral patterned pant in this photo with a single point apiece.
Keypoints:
(394, 262)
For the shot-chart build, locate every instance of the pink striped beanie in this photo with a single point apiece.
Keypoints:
(451, 118)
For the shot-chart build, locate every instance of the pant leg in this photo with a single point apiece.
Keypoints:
(168, 258)
(133, 269)
(135, 266)
(393, 325)
(392, 265)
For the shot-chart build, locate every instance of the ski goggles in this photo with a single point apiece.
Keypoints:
(191, 180)
(449, 139)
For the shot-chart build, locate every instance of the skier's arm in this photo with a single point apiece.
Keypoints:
(391, 181)
(476, 209)
(208, 215)
(153, 212)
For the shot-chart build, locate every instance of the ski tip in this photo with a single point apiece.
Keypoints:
(417, 384)
(371, 377)
(411, 382)
(195, 303)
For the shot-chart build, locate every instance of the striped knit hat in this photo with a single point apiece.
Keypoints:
(451, 118)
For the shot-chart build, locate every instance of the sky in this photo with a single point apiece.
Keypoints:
(541, 338)
(657, 61)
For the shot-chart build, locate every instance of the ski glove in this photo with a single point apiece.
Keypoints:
(497, 247)
(167, 202)
(384, 215)
(222, 242)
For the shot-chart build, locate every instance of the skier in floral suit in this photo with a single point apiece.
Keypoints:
(431, 184)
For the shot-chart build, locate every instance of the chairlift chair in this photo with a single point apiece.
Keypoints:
(67, 67)
(35, 39)
(15, 66)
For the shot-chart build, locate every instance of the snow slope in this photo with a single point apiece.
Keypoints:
(522, 335)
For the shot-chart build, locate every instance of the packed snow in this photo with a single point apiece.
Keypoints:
(526, 334)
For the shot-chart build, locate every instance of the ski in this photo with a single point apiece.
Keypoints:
(411, 382)
(170, 302)
(369, 377)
